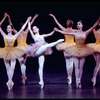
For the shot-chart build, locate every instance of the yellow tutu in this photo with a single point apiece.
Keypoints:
(22, 44)
(95, 46)
(69, 41)
(9, 52)
(80, 49)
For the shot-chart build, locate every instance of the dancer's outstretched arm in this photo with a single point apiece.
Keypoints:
(5, 15)
(23, 27)
(32, 21)
(27, 30)
(49, 34)
(61, 27)
(1, 31)
(63, 32)
(29, 26)
(91, 29)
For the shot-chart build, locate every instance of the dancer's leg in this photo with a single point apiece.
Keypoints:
(13, 63)
(43, 48)
(82, 61)
(41, 60)
(69, 67)
(7, 68)
(22, 61)
(76, 62)
(10, 72)
(96, 69)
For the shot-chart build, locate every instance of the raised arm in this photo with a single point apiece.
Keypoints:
(2, 32)
(29, 26)
(36, 15)
(49, 34)
(61, 27)
(5, 15)
(10, 22)
(91, 29)
(63, 32)
(23, 27)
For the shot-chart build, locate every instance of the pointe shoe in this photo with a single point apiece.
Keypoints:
(69, 80)
(24, 78)
(10, 85)
(42, 84)
(78, 85)
(60, 40)
(93, 81)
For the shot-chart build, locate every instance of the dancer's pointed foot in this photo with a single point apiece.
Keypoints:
(93, 81)
(60, 40)
(69, 80)
(24, 78)
(42, 84)
(10, 85)
(78, 85)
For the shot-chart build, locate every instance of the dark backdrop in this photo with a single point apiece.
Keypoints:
(87, 11)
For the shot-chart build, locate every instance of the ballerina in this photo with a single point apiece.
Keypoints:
(40, 49)
(69, 41)
(10, 53)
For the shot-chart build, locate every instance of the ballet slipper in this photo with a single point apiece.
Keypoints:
(24, 78)
(78, 85)
(69, 80)
(93, 81)
(60, 40)
(10, 85)
(42, 84)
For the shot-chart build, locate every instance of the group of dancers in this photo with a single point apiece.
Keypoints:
(74, 51)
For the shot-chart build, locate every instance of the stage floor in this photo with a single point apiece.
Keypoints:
(56, 87)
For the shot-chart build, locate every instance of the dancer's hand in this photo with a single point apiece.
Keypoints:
(55, 29)
(5, 15)
(29, 18)
(36, 15)
(51, 15)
